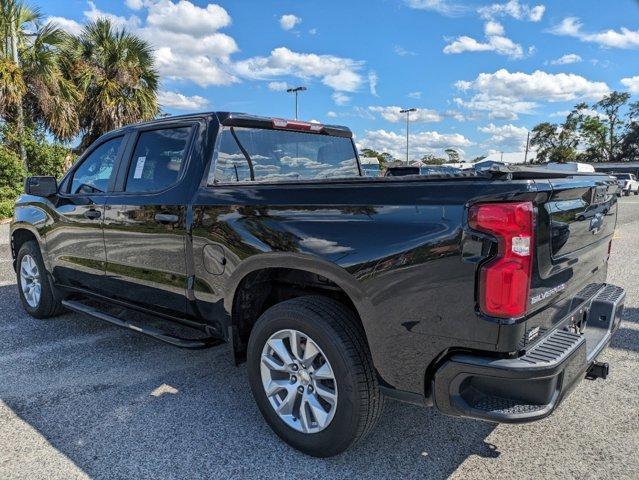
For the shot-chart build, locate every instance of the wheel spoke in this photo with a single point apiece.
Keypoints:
(273, 364)
(295, 338)
(310, 352)
(280, 349)
(276, 386)
(286, 406)
(325, 372)
(305, 419)
(326, 393)
(321, 415)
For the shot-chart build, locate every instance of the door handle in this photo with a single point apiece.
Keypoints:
(92, 214)
(166, 218)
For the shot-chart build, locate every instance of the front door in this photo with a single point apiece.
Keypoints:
(75, 243)
(145, 222)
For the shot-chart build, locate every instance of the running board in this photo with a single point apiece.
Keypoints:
(195, 343)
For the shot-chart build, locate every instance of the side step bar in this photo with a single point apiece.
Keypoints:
(195, 343)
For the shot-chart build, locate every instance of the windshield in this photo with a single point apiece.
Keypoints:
(623, 176)
(264, 155)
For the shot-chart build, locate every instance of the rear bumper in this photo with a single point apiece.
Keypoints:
(529, 387)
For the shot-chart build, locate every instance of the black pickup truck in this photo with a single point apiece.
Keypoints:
(482, 293)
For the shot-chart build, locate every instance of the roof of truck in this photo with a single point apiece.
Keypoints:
(246, 119)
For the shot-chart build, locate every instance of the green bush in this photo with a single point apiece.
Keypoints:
(12, 177)
(45, 158)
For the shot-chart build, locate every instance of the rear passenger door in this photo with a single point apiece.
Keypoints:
(145, 220)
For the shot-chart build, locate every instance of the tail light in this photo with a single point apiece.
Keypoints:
(504, 282)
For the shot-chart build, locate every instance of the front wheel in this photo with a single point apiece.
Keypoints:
(37, 294)
(312, 375)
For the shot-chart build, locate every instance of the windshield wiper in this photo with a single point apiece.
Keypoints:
(245, 153)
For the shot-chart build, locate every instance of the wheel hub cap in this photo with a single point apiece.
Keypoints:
(30, 281)
(298, 381)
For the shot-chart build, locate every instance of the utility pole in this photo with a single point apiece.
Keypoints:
(13, 39)
(295, 90)
(407, 112)
(501, 159)
(527, 143)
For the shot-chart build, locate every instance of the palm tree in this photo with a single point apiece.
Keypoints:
(115, 72)
(33, 89)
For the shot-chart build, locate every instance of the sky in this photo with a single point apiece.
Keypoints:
(481, 74)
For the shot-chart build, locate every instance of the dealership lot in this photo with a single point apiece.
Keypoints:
(84, 399)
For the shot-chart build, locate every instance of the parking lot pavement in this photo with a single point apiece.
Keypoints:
(76, 402)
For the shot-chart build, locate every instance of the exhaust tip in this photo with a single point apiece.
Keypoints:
(598, 370)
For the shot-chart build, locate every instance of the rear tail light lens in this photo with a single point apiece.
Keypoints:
(504, 282)
(297, 125)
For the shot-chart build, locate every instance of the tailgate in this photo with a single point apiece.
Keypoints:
(575, 227)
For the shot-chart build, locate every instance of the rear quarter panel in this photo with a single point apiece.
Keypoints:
(394, 246)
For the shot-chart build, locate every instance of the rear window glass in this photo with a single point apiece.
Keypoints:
(262, 155)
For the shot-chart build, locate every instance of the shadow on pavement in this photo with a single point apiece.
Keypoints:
(87, 386)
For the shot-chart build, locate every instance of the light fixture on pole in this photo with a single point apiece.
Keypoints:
(407, 112)
(295, 90)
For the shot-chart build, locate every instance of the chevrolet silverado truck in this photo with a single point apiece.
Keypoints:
(481, 293)
(628, 183)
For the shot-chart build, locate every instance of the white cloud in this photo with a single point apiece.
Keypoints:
(339, 73)
(514, 9)
(331, 114)
(505, 135)
(538, 85)
(288, 22)
(505, 95)
(495, 42)
(323, 246)
(493, 28)
(631, 83)
(312, 31)
(566, 59)
(445, 7)
(402, 52)
(134, 4)
(278, 86)
(392, 114)
(181, 102)
(93, 13)
(415, 95)
(68, 25)
(421, 143)
(185, 17)
(372, 83)
(624, 38)
(340, 98)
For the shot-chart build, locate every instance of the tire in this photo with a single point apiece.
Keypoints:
(637, 191)
(335, 331)
(48, 305)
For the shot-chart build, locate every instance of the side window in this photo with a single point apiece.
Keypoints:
(93, 174)
(270, 155)
(158, 159)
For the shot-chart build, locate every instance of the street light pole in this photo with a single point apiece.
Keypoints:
(295, 90)
(527, 144)
(407, 112)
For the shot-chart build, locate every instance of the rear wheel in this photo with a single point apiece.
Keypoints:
(312, 375)
(37, 294)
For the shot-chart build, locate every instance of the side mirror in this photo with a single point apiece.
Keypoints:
(41, 186)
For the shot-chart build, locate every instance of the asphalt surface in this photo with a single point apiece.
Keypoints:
(82, 399)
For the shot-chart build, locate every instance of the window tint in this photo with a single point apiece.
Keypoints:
(93, 174)
(278, 155)
(158, 159)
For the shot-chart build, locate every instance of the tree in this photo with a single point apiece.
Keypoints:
(556, 143)
(610, 105)
(453, 155)
(114, 71)
(33, 89)
(385, 159)
(630, 142)
(478, 159)
(430, 159)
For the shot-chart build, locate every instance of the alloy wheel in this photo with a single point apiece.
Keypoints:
(299, 381)
(30, 281)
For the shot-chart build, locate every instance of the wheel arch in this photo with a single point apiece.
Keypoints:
(245, 303)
